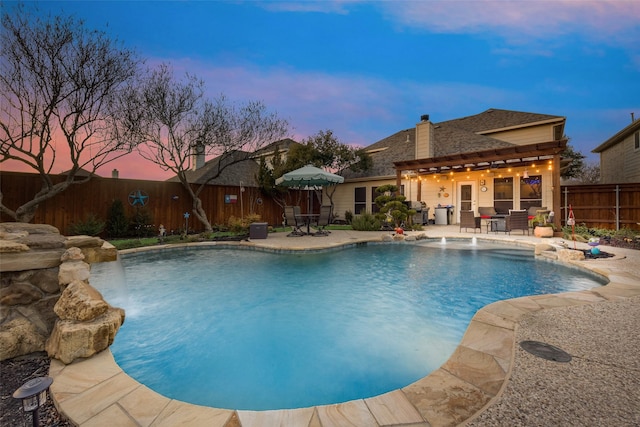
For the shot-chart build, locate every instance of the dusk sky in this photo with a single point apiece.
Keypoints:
(366, 70)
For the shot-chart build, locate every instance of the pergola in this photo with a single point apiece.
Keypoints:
(514, 156)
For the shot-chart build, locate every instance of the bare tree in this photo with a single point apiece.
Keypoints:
(170, 119)
(58, 81)
(590, 173)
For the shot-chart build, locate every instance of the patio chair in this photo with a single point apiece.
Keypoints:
(517, 220)
(292, 221)
(324, 219)
(468, 219)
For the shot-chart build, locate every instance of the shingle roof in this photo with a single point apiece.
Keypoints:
(618, 137)
(282, 145)
(383, 153)
(450, 137)
(494, 119)
(452, 140)
(244, 170)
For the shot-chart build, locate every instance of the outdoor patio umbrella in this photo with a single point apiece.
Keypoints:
(309, 178)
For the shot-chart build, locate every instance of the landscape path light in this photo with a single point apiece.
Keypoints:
(33, 394)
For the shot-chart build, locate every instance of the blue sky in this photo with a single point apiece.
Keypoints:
(369, 69)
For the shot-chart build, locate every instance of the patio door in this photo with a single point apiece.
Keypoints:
(466, 200)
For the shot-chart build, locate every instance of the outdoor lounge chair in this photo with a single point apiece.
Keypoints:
(468, 219)
(517, 220)
(323, 220)
(292, 221)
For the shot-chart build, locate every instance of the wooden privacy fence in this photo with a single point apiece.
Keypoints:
(611, 206)
(167, 202)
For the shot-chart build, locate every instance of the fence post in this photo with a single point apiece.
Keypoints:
(566, 210)
(617, 207)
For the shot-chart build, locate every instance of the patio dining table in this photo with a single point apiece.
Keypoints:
(497, 223)
(307, 219)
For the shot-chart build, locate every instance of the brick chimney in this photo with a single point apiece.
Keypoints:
(197, 157)
(424, 137)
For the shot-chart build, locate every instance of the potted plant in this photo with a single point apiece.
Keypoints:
(541, 226)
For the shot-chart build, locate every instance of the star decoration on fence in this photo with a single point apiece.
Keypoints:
(138, 198)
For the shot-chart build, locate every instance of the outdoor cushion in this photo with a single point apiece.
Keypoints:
(487, 212)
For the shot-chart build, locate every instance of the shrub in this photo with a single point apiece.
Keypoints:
(142, 224)
(91, 226)
(117, 222)
(365, 222)
(348, 216)
(241, 225)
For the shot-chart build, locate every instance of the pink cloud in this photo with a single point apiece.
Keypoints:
(612, 21)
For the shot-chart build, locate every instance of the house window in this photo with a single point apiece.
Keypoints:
(531, 191)
(557, 132)
(503, 194)
(360, 198)
(637, 141)
(374, 194)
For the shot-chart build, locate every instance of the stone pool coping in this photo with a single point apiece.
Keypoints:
(96, 392)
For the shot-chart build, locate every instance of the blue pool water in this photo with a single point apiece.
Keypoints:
(244, 329)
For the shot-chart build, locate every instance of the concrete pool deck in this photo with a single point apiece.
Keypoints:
(489, 379)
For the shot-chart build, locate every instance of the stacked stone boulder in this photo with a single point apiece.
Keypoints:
(45, 292)
(86, 323)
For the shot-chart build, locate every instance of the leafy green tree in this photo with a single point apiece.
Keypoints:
(266, 178)
(325, 151)
(576, 164)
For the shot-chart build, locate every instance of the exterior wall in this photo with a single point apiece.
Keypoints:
(344, 197)
(443, 189)
(620, 163)
(531, 135)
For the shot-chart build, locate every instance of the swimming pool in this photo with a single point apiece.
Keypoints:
(246, 329)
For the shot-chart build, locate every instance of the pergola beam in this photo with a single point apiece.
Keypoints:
(518, 155)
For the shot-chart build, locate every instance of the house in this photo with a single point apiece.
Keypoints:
(498, 158)
(620, 156)
(234, 167)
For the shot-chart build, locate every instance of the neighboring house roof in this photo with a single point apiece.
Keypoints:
(245, 169)
(618, 137)
(450, 137)
(81, 173)
(282, 145)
